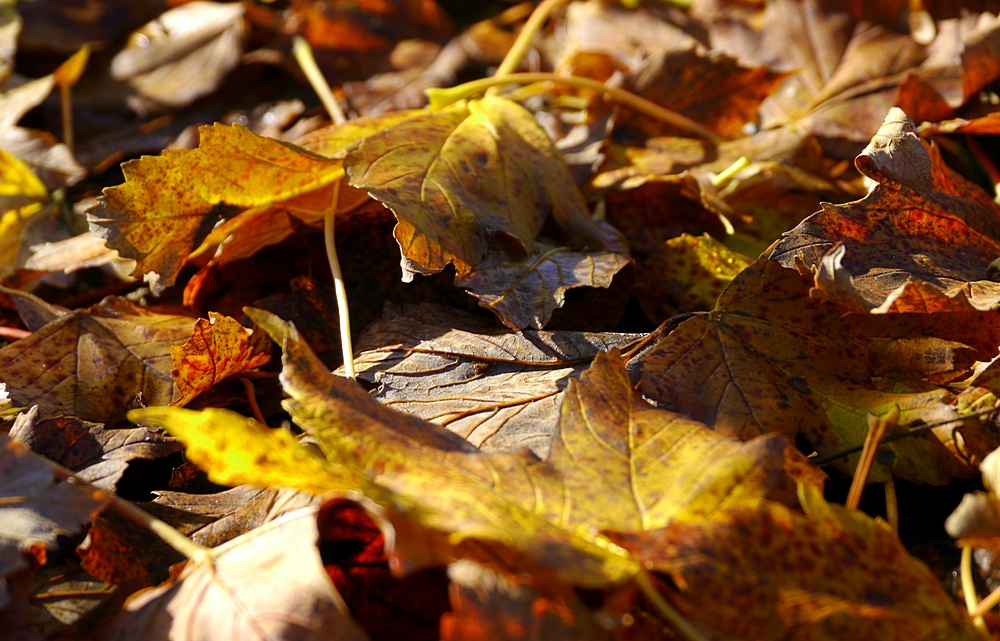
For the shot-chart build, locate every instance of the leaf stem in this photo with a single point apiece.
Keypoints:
(346, 345)
(646, 585)
(528, 32)
(969, 589)
(877, 428)
(441, 98)
(307, 61)
(987, 604)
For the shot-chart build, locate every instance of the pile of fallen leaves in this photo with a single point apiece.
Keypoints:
(576, 322)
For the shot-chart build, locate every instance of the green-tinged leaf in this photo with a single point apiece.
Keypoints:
(457, 177)
(547, 510)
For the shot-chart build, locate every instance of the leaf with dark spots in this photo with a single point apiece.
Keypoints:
(771, 358)
(895, 250)
(169, 203)
(769, 571)
(447, 215)
(96, 363)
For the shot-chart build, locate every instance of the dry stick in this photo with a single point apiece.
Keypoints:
(440, 98)
(252, 399)
(304, 56)
(66, 104)
(987, 604)
(825, 460)
(531, 28)
(891, 505)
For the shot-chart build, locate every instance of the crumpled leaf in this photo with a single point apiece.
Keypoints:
(457, 177)
(219, 347)
(544, 509)
(771, 358)
(499, 390)
(169, 203)
(34, 508)
(97, 455)
(96, 363)
(525, 291)
(181, 56)
(921, 241)
(768, 572)
(257, 586)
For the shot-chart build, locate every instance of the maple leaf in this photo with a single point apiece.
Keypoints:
(767, 572)
(219, 347)
(894, 251)
(499, 390)
(95, 363)
(257, 586)
(456, 177)
(771, 358)
(545, 509)
(35, 508)
(168, 204)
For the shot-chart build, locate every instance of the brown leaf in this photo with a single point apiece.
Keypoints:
(771, 358)
(256, 587)
(97, 455)
(96, 363)
(767, 572)
(500, 390)
(34, 508)
(219, 347)
(525, 291)
(921, 241)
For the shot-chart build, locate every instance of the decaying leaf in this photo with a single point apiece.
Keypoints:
(771, 358)
(97, 455)
(34, 508)
(500, 390)
(96, 363)
(457, 177)
(256, 587)
(768, 572)
(536, 507)
(922, 241)
(218, 348)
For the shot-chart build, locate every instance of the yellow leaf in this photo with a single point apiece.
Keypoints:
(22, 196)
(169, 203)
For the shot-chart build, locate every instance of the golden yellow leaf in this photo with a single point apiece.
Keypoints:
(168, 204)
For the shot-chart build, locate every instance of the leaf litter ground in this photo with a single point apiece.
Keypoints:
(799, 197)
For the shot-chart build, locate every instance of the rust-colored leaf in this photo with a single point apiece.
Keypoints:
(922, 240)
(219, 347)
